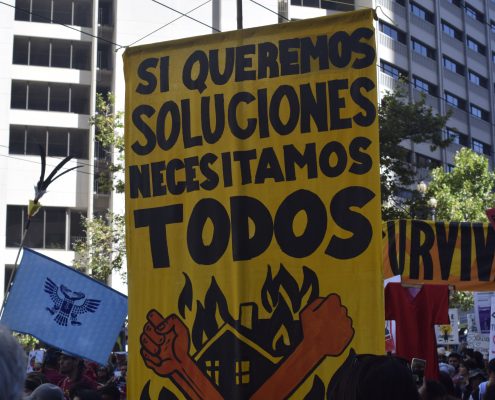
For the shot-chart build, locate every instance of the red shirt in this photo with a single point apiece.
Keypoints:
(67, 384)
(415, 318)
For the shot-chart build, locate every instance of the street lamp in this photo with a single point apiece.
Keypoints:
(432, 203)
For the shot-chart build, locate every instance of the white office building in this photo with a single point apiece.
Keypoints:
(57, 54)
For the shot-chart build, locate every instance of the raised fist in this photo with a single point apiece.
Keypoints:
(164, 343)
(326, 325)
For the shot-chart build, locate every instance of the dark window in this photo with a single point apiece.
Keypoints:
(394, 33)
(473, 13)
(392, 70)
(41, 10)
(82, 13)
(22, 10)
(59, 97)
(77, 231)
(475, 46)
(457, 137)
(455, 101)
(55, 228)
(423, 49)
(478, 112)
(15, 226)
(38, 96)
(78, 144)
(21, 50)
(17, 139)
(81, 56)
(62, 12)
(105, 13)
(421, 12)
(36, 137)
(480, 147)
(18, 97)
(61, 50)
(424, 86)
(57, 142)
(451, 31)
(453, 66)
(40, 52)
(477, 79)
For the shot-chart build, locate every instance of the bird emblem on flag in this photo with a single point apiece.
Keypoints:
(70, 306)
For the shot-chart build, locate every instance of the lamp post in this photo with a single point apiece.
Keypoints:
(432, 203)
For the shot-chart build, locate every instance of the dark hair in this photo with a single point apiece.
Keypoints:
(87, 394)
(33, 380)
(434, 390)
(491, 365)
(446, 381)
(479, 359)
(110, 390)
(372, 377)
(455, 355)
(489, 393)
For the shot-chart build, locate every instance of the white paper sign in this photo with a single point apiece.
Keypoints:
(449, 334)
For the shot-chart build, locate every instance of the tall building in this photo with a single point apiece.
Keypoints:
(57, 54)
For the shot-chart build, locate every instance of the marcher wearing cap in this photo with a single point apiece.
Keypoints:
(46, 391)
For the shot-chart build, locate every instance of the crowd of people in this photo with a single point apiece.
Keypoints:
(60, 376)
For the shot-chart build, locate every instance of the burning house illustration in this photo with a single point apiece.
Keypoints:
(248, 357)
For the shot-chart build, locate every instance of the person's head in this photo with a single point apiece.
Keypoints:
(46, 391)
(478, 357)
(454, 360)
(109, 392)
(373, 377)
(33, 380)
(103, 373)
(476, 376)
(432, 390)
(87, 394)
(69, 365)
(51, 358)
(13, 363)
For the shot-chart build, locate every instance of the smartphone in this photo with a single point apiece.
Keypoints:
(418, 366)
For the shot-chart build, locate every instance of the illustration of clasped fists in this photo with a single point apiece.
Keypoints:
(165, 350)
(327, 331)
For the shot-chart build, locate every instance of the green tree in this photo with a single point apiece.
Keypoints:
(467, 191)
(463, 195)
(103, 250)
(400, 120)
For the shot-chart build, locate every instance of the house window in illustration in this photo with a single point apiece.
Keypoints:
(213, 370)
(242, 372)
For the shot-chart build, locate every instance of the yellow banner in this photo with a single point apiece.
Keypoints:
(253, 210)
(450, 253)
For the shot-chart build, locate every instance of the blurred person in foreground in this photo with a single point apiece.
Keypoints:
(13, 363)
(72, 368)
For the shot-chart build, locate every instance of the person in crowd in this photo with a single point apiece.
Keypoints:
(109, 392)
(104, 375)
(50, 367)
(13, 363)
(373, 377)
(476, 376)
(455, 359)
(490, 393)
(446, 380)
(33, 380)
(461, 379)
(432, 390)
(46, 391)
(72, 368)
(442, 354)
(491, 379)
(86, 394)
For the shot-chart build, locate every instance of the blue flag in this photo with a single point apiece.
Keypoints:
(64, 308)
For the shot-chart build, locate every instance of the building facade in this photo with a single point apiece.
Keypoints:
(57, 54)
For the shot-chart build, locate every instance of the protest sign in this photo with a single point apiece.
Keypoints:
(450, 253)
(491, 353)
(253, 209)
(449, 334)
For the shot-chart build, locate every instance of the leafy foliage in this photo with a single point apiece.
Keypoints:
(104, 249)
(399, 121)
(108, 125)
(464, 193)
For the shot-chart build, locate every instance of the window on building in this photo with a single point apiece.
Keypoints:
(453, 66)
(105, 13)
(47, 230)
(451, 31)
(346, 5)
(473, 13)
(57, 142)
(421, 12)
(242, 372)
(423, 161)
(35, 96)
(477, 79)
(213, 370)
(478, 112)
(9, 270)
(455, 2)
(423, 49)
(456, 136)
(449, 168)
(392, 70)
(77, 231)
(480, 147)
(492, 25)
(455, 101)
(52, 52)
(393, 32)
(424, 86)
(71, 12)
(475, 46)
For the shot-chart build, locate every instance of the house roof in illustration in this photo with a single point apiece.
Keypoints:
(229, 328)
